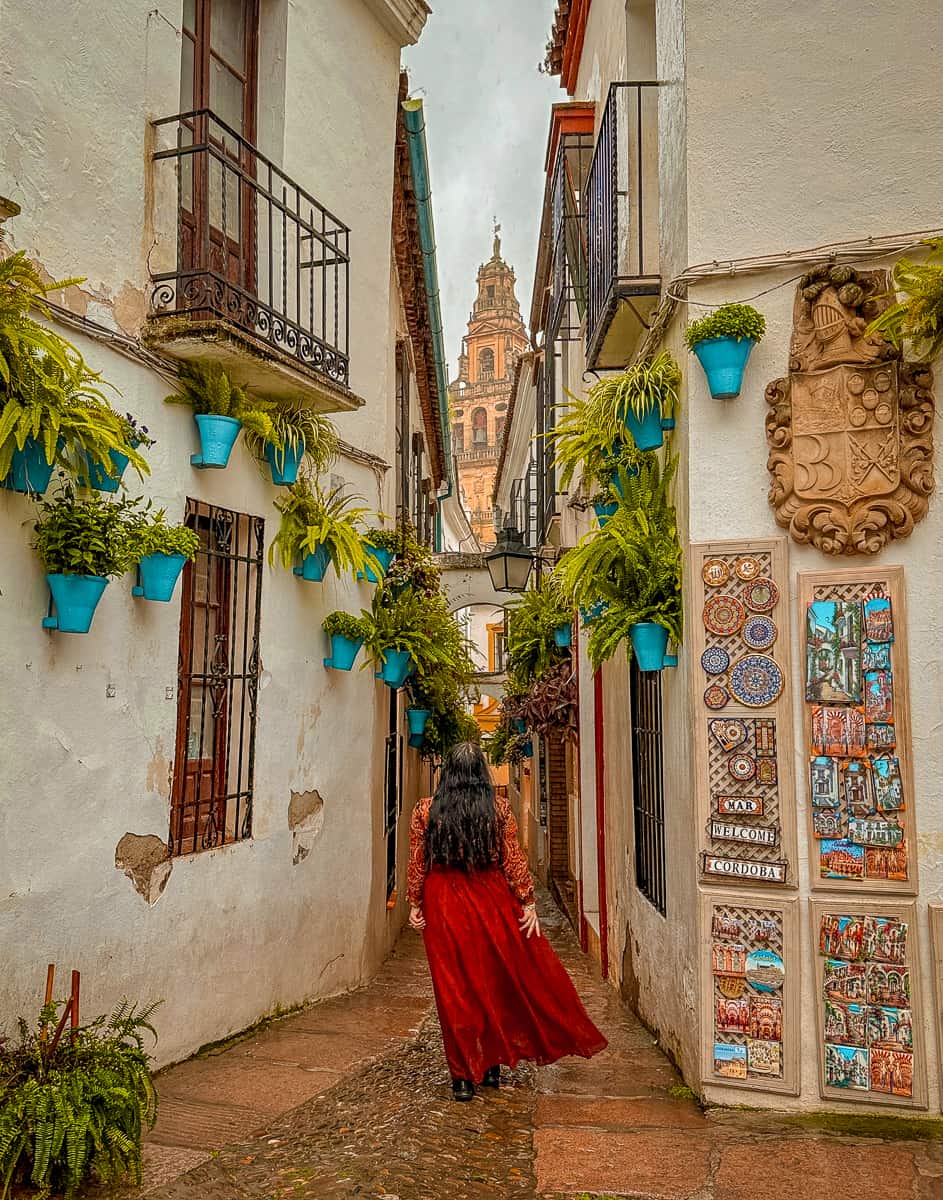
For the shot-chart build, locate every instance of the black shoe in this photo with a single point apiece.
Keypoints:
(492, 1077)
(462, 1090)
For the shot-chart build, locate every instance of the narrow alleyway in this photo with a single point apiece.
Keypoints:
(350, 1098)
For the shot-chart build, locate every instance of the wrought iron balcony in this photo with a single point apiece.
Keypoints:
(568, 230)
(621, 201)
(257, 262)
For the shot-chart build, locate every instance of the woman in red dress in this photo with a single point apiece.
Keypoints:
(501, 992)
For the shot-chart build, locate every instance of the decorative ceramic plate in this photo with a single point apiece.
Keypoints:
(761, 595)
(716, 696)
(747, 568)
(724, 615)
(715, 660)
(742, 767)
(756, 681)
(759, 632)
(730, 733)
(765, 970)
(715, 572)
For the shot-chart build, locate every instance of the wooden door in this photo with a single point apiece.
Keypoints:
(218, 96)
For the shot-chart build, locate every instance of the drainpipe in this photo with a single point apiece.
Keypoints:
(419, 163)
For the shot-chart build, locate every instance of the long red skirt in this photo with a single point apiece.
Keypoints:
(501, 997)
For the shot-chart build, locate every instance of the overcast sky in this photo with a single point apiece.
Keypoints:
(487, 115)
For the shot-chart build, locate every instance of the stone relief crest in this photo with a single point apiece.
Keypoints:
(850, 428)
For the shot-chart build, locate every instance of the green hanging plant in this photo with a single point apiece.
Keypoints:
(208, 390)
(736, 321)
(312, 518)
(532, 619)
(292, 425)
(918, 318)
(92, 536)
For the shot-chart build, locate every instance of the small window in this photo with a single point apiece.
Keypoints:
(486, 364)
(489, 291)
(480, 427)
(502, 407)
(217, 681)
(648, 786)
(458, 414)
(458, 438)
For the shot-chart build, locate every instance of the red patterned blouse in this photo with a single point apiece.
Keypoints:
(511, 858)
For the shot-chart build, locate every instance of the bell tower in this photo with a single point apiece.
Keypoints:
(479, 395)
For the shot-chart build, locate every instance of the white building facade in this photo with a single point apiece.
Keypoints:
(235, 182)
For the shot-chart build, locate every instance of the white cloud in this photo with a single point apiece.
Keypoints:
(487, 111)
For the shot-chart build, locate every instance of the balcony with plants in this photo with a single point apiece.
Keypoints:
(250, 271)
(621, 203)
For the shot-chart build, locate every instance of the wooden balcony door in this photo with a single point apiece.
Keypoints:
(219, 72)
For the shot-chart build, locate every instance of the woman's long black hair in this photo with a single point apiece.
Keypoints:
(463, 825)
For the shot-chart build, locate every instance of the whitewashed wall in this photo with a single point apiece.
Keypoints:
(238, 930)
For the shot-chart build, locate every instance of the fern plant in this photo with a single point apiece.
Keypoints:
(208, 390)
(312, 518)
(532, 618)
(918, 318)
(631, 570)
(77, 1110)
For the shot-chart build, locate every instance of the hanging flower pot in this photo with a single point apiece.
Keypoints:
(217, 438)
(649, 643)
(384, 558)
(29, 472)
(594, 612)
(99, 479)
(563, 636)
(647, 431)
(615, 480)
(519, 725)
(417, 718)
(313, 566)
(75, 598)
(344, 651)
(604, 512)
(284, 463)
(416, 740)
(157, 576)
(724, 360)
(395, 670)
(528, 749)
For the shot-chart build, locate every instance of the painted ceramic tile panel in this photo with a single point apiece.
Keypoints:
(867, 1021)
(833, 652)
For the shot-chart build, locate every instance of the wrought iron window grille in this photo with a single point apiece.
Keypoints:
(648, 792)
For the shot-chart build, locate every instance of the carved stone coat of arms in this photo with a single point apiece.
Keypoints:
(850, 428)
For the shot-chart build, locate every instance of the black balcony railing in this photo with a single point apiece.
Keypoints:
(254, 249)
(568, 282)
(621, 201)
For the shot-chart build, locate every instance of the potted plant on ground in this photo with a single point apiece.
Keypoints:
(918, 317)
(74, 1108)
(160, 551)
(82, 544)
(297, 434)
(319, 528)
(382, 545)
(347, 634)
(631, 574)
(722, 341)
(220, 410)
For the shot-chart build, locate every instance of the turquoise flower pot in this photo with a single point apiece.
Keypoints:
(647, 433)
(75, 598)
(217, 438)
(649, 643)
(616, 480)
(29, 472)
(284, 464)
(99, 479)
(724, 360)
(528, 750)
(519, 725)
(157, 576)
(395, 670)
(314, 565)
(416, 740)
(344, 651)
(563, 636)
(594, 612)
(417, 718)
(384, 557)
(604, 512)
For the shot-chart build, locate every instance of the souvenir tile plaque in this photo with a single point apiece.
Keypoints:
(867, 980)
(857, 720)
(744, 770)
(750, 994)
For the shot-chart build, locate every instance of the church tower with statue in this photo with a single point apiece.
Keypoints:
(480, 393)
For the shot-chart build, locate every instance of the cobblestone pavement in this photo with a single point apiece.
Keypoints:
(350, 1098)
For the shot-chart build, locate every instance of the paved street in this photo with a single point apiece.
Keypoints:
(350, 1098)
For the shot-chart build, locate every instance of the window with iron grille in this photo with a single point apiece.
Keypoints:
(648, 786)
(217, 681)
(392, 792)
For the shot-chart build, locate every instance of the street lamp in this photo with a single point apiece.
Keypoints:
(510, 562)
